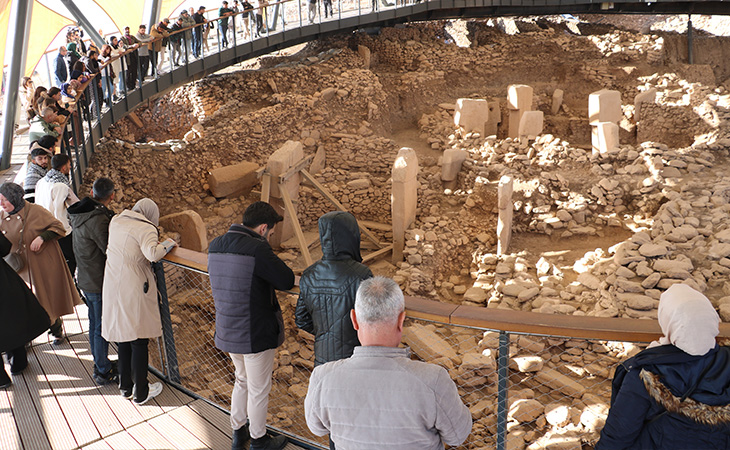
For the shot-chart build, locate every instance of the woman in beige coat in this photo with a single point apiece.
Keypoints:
(45, 268)
(130, 315)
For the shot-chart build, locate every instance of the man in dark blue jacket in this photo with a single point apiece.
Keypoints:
(60, 71)
(244, 273)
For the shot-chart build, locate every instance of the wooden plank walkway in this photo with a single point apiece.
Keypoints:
(55, 405)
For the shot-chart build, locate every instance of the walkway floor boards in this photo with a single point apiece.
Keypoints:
(56, 405)
(10, 436)
(57, 379)
(102, 416)
(208, 433)
(46, 405)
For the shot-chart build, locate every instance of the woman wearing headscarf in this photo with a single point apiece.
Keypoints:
(676, 393)
(22, 318)
(130, 315)
(34, 233)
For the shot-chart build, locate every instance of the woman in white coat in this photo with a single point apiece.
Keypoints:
(130, 315)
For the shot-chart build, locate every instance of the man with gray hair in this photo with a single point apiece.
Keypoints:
(379, 397)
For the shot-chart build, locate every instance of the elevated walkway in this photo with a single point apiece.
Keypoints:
(55, 404)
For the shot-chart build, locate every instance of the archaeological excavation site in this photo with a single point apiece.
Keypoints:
(563, 166)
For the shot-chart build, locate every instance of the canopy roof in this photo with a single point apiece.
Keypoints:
(49, 20)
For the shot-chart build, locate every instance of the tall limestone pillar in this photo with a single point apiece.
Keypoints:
(519, 101)
(604, 115)
(279, 162)
(506, 210)
(404, 198)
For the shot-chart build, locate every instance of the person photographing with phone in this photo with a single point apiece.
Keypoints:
(130, 313)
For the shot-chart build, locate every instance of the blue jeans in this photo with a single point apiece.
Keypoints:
(99, 345)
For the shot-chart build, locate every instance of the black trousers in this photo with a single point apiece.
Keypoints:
(18, 359)
(144, 63)
(67, 247)
(132, 365)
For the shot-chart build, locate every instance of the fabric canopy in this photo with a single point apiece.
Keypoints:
(4, 22)
(45, 25)
(127, 13)
(168, 7)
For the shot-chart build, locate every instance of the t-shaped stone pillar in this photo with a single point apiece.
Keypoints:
(506, 210)
(404, 198)
(471, 114)
(519, 101)
(603, 106)
(531, 124)
(279, 162)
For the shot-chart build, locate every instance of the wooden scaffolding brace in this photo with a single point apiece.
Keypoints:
(299, 167)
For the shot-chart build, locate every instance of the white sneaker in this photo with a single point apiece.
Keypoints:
(154, 390)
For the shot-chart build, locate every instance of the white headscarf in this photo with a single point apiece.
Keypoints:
(688, 320)
(149, 209)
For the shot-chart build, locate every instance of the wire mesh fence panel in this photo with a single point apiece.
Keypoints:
(209, 372)
(558, 389)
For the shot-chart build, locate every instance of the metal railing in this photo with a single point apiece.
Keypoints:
(529, 377)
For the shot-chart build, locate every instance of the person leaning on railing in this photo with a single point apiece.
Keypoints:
(130, 314)
(176, 41)
(157, 47)
(676, 393)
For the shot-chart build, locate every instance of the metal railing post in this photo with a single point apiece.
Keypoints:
(502, 389)
(173, 371)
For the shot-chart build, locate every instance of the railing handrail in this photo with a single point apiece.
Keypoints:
(569, 326)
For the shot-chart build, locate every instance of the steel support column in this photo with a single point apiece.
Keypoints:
(91, 31)
(18, 27)
(690, 50)
(155, 11)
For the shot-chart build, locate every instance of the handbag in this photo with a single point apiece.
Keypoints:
(15, 259)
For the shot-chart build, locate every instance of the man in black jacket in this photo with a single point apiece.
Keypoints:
(328, 287)
(89, 220)
(244, 273)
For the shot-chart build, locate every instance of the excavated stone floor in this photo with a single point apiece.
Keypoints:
(597, 235)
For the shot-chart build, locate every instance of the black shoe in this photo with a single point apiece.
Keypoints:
(5, 380)
(105, 378)
(18, 367)
(269, 443)
(240, 437)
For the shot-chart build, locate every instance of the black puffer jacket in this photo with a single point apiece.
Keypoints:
(89, 220)
(328, 288)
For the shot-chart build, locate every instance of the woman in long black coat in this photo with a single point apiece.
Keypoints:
(22, 318)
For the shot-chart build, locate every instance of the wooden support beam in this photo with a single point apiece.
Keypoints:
(377, 254)
(328, 195)
(266, 187)
(295, 222)
(135, 118)
(293, 170)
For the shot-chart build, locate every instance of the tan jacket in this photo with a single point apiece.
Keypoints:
(157, 44)
(45, 270)
(128, 312)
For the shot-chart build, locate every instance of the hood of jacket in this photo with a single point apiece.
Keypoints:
(687, 407)
(340, 236)
(679, 372)
(80, 212)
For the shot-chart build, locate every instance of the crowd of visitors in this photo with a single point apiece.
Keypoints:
(365, 391)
